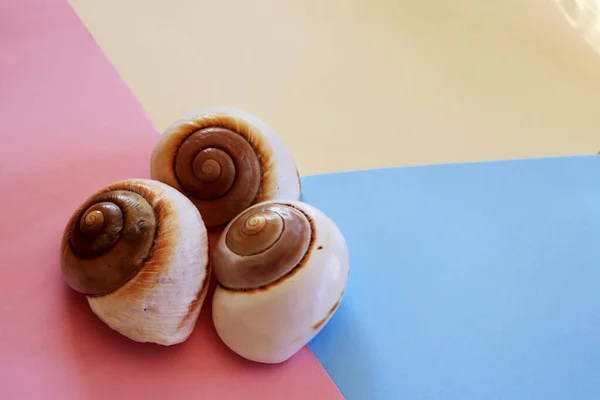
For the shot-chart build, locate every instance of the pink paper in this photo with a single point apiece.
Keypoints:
(68, 126)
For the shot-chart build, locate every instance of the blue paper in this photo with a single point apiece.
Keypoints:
(468, 281)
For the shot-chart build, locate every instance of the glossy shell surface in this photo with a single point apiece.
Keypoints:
(157, 294)
(224, 160)
(268, 320)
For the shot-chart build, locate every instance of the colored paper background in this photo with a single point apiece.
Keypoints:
(356, 84)
(68, 126)
(468, 281)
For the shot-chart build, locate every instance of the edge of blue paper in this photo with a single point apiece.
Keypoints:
(450, 164)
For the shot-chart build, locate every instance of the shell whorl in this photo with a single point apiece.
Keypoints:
(217, 164)
(220, 161)
(261, 246)
(107, 240)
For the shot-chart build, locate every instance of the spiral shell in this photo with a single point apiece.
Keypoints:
(282, 269)
(138, 250)
(224, 160)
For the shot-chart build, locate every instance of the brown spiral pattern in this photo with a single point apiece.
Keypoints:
(107, 241)
(261, 245)
(218, 165)
(220, 160)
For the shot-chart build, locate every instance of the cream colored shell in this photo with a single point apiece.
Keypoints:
(279, 175)
(272, 323)
(161, 303)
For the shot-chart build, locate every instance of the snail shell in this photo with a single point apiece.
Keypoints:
(282, 269)
(224, 160)
(138, 250)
